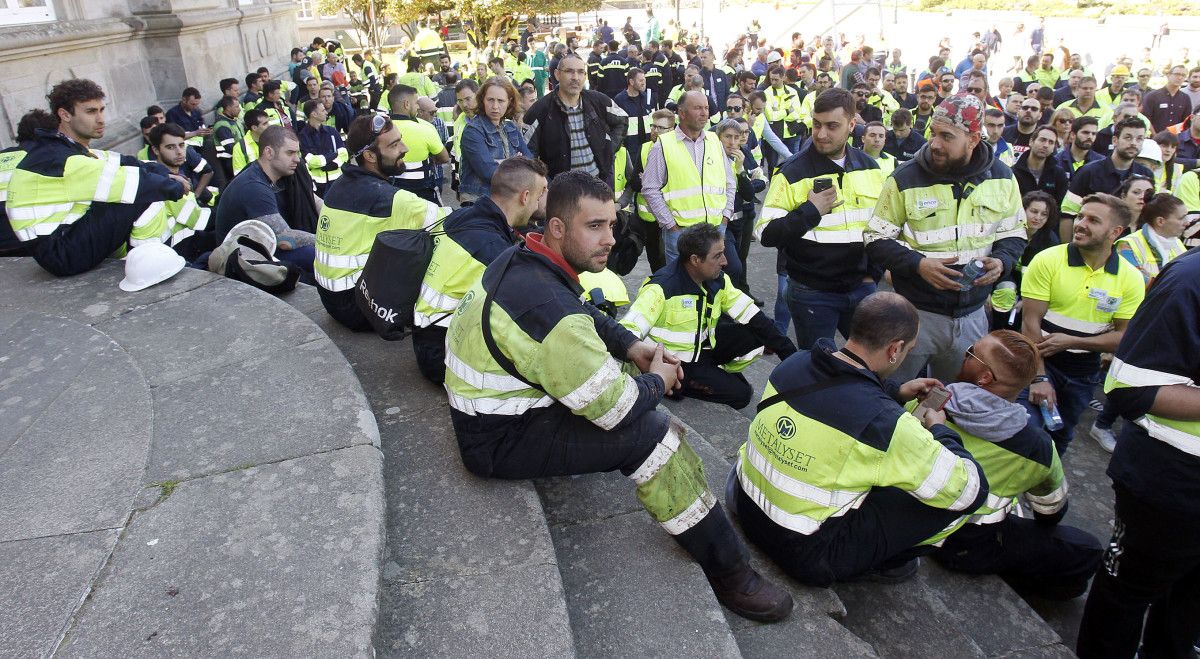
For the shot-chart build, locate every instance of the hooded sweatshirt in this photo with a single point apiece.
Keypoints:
(902, 260)
(984, 414)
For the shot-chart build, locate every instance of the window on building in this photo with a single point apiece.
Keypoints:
(18, 12)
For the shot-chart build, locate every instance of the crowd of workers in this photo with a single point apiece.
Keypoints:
(1011, 238)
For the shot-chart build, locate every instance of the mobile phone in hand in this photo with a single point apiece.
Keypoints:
(822, 184)
(936, 399)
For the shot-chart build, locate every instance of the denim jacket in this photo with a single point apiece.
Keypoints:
(483, 147)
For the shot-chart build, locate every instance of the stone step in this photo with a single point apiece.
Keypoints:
(630, 589)
(598, 523)
(469, 567)
(190, 470)
(812, 629)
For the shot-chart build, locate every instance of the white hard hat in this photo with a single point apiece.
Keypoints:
(148, 264)
(1151, 151)
(256, 230)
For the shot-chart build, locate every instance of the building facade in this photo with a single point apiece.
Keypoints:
(142, 52)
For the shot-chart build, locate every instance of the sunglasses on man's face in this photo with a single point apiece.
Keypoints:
(975, 90)
(860, 94)
(734, 108)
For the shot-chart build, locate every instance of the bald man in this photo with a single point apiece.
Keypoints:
(691, 163)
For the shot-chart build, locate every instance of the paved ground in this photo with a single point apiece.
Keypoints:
(188, 470)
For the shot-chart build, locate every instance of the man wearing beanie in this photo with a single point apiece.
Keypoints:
(951, 208)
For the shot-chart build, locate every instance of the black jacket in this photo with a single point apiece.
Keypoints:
(603, 121)
(833, 267)
(1053, 180)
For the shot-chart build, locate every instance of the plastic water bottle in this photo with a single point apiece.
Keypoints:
(972, 271)
(1050, 416)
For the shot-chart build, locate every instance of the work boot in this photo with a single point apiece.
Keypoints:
(748, 594)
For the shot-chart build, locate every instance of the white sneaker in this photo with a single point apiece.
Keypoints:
(1104, 437)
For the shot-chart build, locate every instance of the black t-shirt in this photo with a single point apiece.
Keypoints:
(1017, 140)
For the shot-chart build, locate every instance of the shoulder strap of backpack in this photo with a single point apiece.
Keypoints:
(804, 391)
(488, 340)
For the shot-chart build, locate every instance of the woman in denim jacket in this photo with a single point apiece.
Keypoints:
(489, 137)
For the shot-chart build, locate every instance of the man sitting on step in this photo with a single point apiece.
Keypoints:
(540, 385)
(838, 482)
(693, 309)
(1035, 556)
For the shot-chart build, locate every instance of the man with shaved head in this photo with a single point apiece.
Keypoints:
(684, 170)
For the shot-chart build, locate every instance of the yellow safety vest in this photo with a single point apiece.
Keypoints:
(691, 197)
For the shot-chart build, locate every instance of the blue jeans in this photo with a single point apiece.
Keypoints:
(783, 317)
(670, 243)
(1074, 393)
(818, 314)
(733, 266)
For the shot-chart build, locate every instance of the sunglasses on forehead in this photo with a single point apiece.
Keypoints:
(378, 122)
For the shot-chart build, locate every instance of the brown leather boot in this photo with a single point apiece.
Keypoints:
(748, 594)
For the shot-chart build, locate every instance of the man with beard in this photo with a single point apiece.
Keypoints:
(927, 100)
(1078, 298)
(946, 82)
(1019, 134)
(822, 82)
(951, 206)
(1080, 150)
(539, 386)
(359, 205)
(867, 113)
(474, 236)
(1108, 174)
(1036, 169)
(819, 228)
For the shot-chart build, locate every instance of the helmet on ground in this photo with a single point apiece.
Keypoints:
(148, 264)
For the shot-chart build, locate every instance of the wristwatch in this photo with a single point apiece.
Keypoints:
(1039, 379)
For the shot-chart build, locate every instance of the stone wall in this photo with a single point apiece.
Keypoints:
(143, 52)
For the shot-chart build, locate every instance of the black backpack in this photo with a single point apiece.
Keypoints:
(390, 283)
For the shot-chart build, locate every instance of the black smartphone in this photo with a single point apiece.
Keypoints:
(822, 184)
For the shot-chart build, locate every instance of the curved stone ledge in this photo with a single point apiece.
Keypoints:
(192, 469)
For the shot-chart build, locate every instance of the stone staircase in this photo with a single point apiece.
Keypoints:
(573, 566)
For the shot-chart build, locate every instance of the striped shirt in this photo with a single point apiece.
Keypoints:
(581, 152)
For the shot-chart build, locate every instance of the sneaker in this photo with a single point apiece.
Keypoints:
(748, 594)
(1104, 437)
(896, 574)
